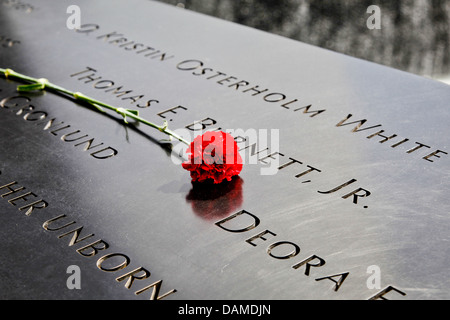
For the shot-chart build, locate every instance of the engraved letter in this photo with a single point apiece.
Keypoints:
(196, 64)
(42, 116)
(88, 69)
(204, 123)
(172, 110)
(105, 155)
(356, 195)
(339, 187)
(306, 110)
(132, 275)
(357, 128)
(419, 146)
(94, 250)
(278, 97)
(46, 223)
(64, 137)
(434, 154)
(379, 133)
(41, 204)
(293, 253)
(259, 235)
(11, 190)
(320, 263)
(88, 145)
(86, 28)
(120, 266)
(380, 295)
(155, 293)
(249, 224)
(311, 169)
(22, 197)
(76, 233)
(256, 90)
(338, 282)
(4, 104)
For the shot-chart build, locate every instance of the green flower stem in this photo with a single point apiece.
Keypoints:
(42, 84)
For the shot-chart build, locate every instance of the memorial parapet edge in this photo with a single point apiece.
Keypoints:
(346, 199)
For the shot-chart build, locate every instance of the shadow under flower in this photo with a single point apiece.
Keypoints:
(215, 201)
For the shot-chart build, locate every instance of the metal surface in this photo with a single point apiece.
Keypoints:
(309, 244)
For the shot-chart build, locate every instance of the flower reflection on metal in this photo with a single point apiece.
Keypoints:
(213, 202)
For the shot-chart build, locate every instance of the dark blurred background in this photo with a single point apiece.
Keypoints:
(414, 34)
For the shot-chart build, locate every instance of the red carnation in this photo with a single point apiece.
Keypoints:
(213, 156)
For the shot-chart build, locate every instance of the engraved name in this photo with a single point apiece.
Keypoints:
(266, 155)
(25, 201)
(123, 42)
(244, 221)
(86, 244)
(21, 106)
(196, 67)
(90, 75)
(393, 139)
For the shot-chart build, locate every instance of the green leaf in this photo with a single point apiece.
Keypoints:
(31, 87)
(135, 112)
